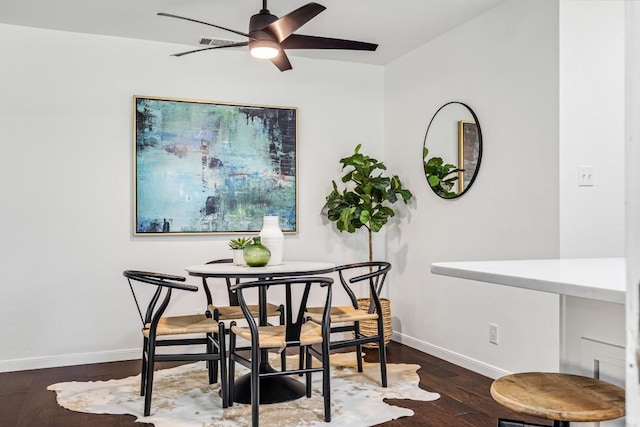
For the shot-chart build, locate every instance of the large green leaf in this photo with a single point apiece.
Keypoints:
(406, 194)
(387, 210)
(364, 216)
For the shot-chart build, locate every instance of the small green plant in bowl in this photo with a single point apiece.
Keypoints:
(237, 246)
(240, 242)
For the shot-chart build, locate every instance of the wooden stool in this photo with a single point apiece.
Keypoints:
(559, 397)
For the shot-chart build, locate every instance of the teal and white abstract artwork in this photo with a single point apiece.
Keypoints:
(203, 167)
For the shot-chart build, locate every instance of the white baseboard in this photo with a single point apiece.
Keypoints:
(129, 354)
(68, 360)
(450, 356)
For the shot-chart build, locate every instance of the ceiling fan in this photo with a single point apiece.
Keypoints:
(269, 36)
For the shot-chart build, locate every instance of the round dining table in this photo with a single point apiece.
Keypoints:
(284, 269)
(280, 388)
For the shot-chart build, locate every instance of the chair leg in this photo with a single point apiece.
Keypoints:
(309, 363)
(255, 385)
(143, 368)
(231, 369)
(222, 353)
(301, 357)
(326, 382)
(382, 353)
(212, 365)
(356, 331)
(151, 354)
(283, 354)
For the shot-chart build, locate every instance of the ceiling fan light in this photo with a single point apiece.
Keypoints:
(264, 49)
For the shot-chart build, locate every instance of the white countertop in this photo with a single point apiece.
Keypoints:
(602, 279)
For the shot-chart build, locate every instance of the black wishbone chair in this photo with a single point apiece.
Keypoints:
(156, 329)
(294, 333)
(346, 319)
(227, 313)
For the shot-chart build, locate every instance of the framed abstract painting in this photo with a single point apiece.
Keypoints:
(205, 167)
(468, 152)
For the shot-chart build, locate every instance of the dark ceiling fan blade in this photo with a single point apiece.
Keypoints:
(299, 41)
(239, 44)
(205, 23)
(282, 61)
(286, 25)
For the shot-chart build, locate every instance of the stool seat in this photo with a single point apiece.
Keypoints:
(559, 397)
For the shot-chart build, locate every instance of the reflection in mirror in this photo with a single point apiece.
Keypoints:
(452, 150)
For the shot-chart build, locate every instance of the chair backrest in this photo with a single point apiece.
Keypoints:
(296, 291)
(376, 276)
(164, 283)
(233, 299)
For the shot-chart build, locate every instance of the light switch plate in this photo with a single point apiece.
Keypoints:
(585, 176)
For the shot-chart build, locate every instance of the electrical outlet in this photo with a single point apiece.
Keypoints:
(493, 333)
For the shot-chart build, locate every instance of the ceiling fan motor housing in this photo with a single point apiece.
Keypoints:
(261, 37)
(260, 20)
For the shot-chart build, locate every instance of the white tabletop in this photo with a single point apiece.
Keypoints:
(287, 268)
(602, 279)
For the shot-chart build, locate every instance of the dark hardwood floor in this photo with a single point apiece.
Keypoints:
(465, 400)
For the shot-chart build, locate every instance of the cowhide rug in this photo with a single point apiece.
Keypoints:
(183, 398)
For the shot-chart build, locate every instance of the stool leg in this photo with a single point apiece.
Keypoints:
(561, 424)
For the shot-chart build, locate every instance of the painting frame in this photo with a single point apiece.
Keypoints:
(207, 167)
(468, 152)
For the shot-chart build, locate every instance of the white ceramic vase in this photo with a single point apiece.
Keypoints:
(272, 237)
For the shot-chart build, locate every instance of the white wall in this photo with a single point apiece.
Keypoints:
(66, 178)
(504, 64)
(592, 127)
(592, 92)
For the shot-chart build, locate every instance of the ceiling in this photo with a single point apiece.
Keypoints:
(398, 26)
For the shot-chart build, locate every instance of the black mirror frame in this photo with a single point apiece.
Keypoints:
(480, 145)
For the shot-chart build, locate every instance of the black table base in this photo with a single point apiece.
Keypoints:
(272, 389)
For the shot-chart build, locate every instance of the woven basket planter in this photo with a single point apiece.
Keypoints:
(370, 327)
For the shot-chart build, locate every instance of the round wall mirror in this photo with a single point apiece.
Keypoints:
(452, 150)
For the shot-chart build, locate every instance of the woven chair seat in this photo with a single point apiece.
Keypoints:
(341, 314)
(235, 312)
(274, 336)
(189, 324)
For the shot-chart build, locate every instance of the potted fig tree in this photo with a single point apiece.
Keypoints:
(366, 201)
